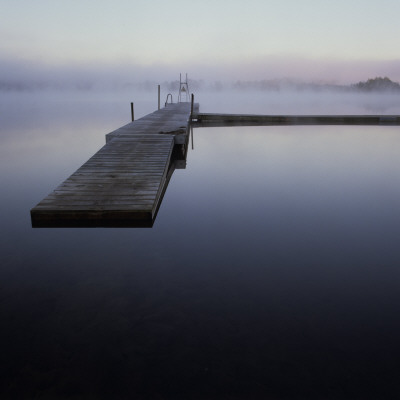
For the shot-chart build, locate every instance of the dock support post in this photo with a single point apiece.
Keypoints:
(132, 112)
(158, 96)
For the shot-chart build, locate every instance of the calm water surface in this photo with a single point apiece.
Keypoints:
(271, 272)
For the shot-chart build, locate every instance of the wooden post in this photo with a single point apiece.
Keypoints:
(132, 112)
(191, 108)
(158, 96)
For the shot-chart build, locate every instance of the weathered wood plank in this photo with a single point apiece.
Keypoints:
(90, 186)
(88, 209)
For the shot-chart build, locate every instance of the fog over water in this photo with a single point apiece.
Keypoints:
(271, 271)
(119, 72)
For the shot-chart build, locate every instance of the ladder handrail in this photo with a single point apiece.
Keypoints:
(166, 101)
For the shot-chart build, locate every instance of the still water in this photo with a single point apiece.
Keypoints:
(271, 272)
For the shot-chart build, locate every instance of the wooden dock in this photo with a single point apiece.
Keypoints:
(215, 120)
(124, 182)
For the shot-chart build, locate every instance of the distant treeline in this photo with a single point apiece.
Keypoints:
(287, 84)
(32, 86)
(377, 84)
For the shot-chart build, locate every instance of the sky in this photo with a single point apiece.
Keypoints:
(339, 41)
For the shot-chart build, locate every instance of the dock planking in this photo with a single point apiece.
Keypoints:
(124, 182)
(215, 120)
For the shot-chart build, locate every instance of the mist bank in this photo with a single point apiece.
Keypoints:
(262, 74)
(375, 85)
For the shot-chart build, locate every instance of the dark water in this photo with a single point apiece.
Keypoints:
(271, 272)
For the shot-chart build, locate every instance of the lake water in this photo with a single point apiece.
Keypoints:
(271, 271)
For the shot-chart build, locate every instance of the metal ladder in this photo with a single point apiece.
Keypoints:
(184, 95)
